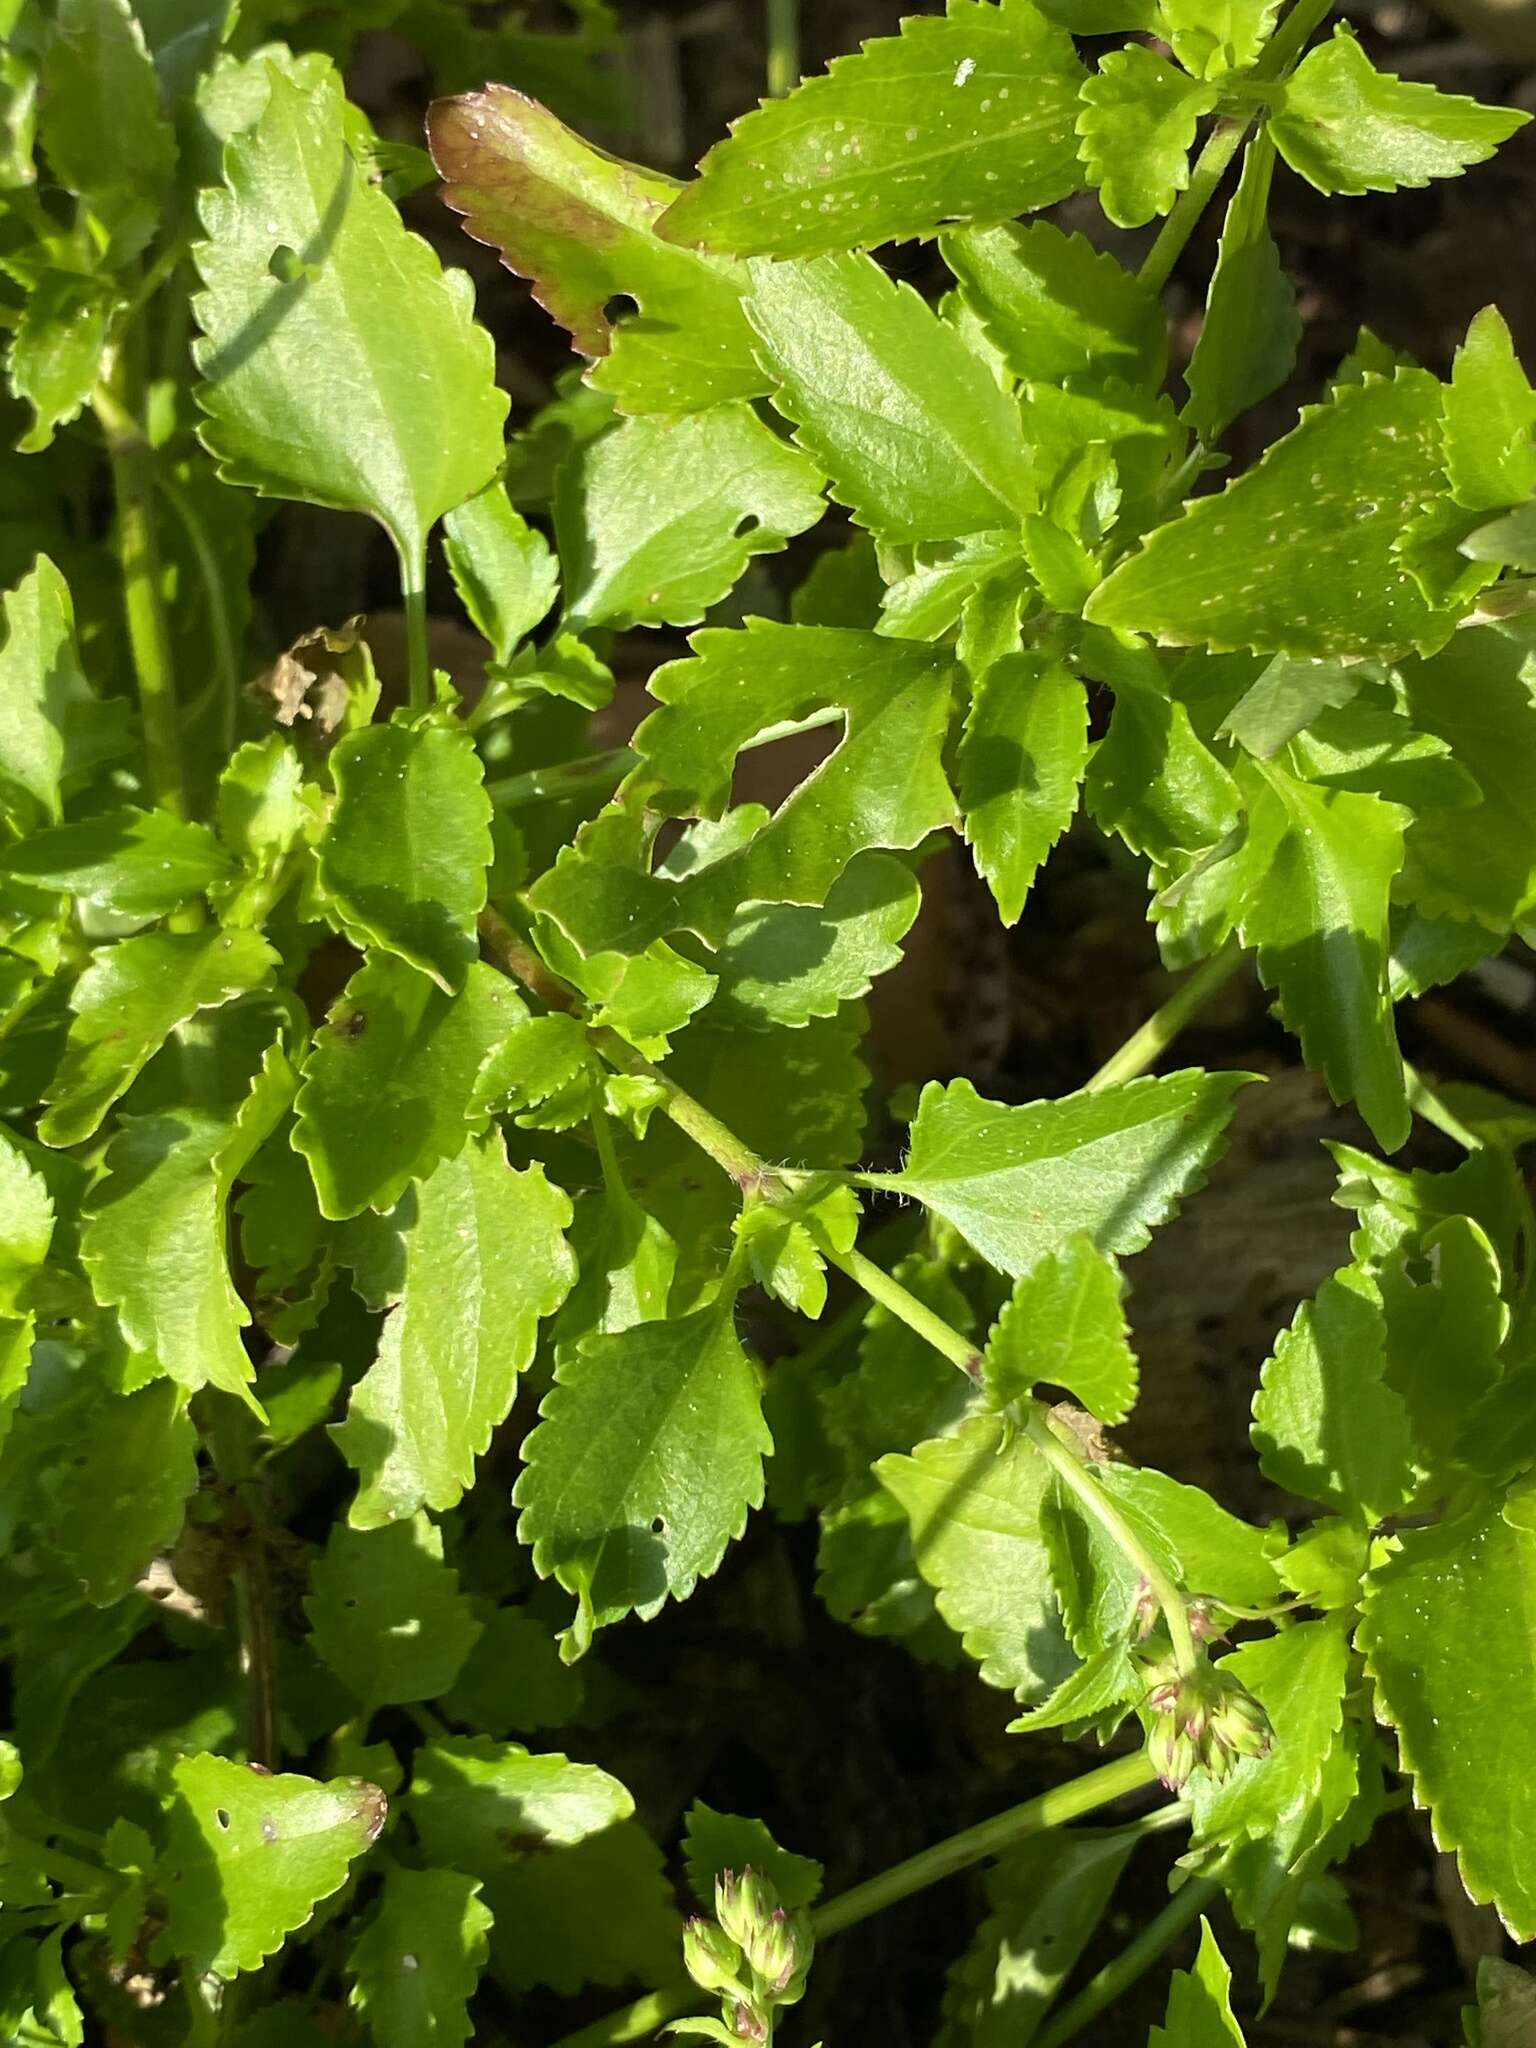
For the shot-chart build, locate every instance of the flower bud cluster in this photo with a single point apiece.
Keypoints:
(754, 1954)
(1203, 1719)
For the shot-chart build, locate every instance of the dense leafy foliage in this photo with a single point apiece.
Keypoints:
(402, 1156)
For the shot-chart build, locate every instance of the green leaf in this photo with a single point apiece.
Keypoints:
(51, 726)
(250, 1856)
(154, 1238)
(502, 568)
(1457, 1313)
(598, 1913)
(1511, 540)
(644, 1465)
(920, 441)
(513, 1679)
(1021, 765)
(100, 119)
(579, 224)
(126, 1004)
(1314, 878)
(1235, 570)
(658, 518)
(129, 865)
(1248, 338)
(1200, 2003)
(968, 117)
(539, 1058)
(1064, 1326)
(1057, 307)
(1285, 698)
(1210, 37)
(1020, 1182)
(415, 1966)
(1300, 1677)
(1045, 1897)
(122, 1487)
(974, 1500)
(789, 962)
(56, 351)
(1479, 696)
(485, 1260)
(340, 363)
(1344, 126)
(26, 1231)
(405, 858)
(1446, 1636)
(714, 1842)
(1138, 119)
(1490, 410)
(386, 1613)
(1325, 1423)
(1506, 2004)
(478, 1804)
(895, 697)
(389, 1079)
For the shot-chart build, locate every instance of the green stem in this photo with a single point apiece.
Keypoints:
(783, 47)
(1221, 145)
(226, 659)
(1053, 1809)
(1133, 1962)
(564, 780)
(413, 595)
(1150, 1041)
(892, 1296)
(599, 771)
(749, 1171)
(1054, 1443)
(225, 1426)
(1225, 140)
(149, 637)
(58, 1866)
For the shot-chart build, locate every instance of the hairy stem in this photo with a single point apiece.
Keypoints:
(149, 637)
(783, 47)
(1053, 1809)
(1132, 1963)
(1147, 1044)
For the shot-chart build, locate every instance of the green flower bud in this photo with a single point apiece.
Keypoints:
(1173, 1755)
(743, 1904)
(780, 1954)
(1239, 1725)
(747, 2023)
(710, 1957)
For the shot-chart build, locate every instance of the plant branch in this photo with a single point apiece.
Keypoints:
(1132, 1963)
(224, 1427)
(749, 1171)
(413, 595)
(1049, 1810)
(149, 637)
(226, 659)
(1224, 141)
(1147, 1044)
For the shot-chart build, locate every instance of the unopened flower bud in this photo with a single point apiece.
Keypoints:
(747, 2023)
(1172, 1754)
(711, 1958)
(744, 1903)
(1203, 1625)
(780, 1953)
(1240, 1725)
